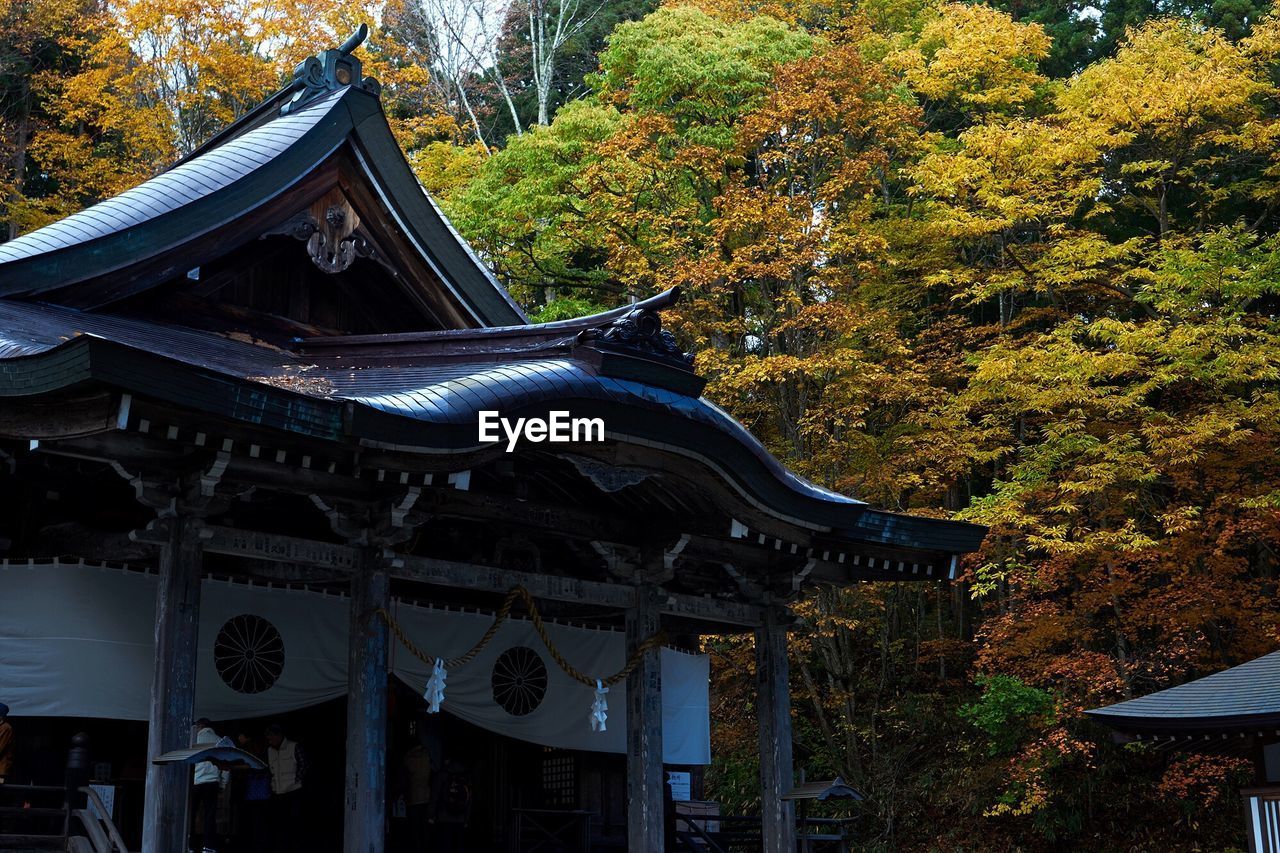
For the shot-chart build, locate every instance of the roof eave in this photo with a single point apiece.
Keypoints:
(1191, 726)
(89, 359)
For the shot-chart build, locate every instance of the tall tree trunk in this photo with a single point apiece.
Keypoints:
(543, 55)
(1122, 642)
(506, 96)
(22, 133)
(475, 122)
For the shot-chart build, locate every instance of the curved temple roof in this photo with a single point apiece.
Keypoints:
(429, 402)
(187, 182)
(1245, 698)
(152, 232)
(410, 392)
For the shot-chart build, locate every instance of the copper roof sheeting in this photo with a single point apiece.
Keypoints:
(181, 185)
(211, 202)
(436, 401)
(1243, 698)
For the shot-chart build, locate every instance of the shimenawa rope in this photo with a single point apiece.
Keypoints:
(435, 687)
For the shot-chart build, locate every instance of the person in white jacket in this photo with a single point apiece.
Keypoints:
(208, 782)
(288, 764)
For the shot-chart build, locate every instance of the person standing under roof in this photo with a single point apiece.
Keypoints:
(208, 783)
(8, 743)
(288, 765)
(254, 799)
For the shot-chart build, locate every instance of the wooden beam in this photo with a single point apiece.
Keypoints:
(645, 827)
(291, 573)
(704, 609)
(554, 588)
(131, 451)
(831, 563)
(470, 576)
(780, 565)
(564, 520)
(173, 685)
(281, 549)
(135, 451)
(68, 416)
(369, 639)
(773, 702)
(486, 579)
(842, 562)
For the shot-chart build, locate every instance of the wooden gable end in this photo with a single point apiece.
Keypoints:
(326, 258)
(305, 213)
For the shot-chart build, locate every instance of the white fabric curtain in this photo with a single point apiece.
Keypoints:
(561, 719)
(78, 640)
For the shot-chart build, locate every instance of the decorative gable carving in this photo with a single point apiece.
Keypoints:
(329, 228)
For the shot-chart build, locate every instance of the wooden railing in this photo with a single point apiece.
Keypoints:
(733, 833)
(101, 832)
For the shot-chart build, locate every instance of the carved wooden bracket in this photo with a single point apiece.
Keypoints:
(751, 590)
(196, 494)
(333, 246)
(380, 525)
(607, 477)
(652, 564)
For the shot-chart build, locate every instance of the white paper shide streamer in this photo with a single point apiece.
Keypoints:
(435, 687)
(599, 708)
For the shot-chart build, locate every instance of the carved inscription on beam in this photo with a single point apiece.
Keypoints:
(290, 549)
(283, 549)
(485, 579)
(265, 546)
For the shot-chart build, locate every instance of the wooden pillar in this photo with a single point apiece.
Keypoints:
(644, 729)
(173, 687)
(365, 823)
(773, 701)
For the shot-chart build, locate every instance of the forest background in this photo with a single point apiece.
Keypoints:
(1015, 262)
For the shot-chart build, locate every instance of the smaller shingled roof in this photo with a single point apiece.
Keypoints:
(185, 183)
(826, 789)
(1243, 698)
(156, 231)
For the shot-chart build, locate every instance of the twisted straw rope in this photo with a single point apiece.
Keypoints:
(519, 592)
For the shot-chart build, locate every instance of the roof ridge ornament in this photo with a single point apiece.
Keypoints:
(640, 330)
(330, 71)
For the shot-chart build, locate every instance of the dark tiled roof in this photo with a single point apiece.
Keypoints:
(434, 390)
(185, 183)
(418, 392)
(436, 400)
(163, 227)
(1238, 698)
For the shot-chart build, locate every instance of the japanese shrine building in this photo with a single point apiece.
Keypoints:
(1234, 712)
(257, 379)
